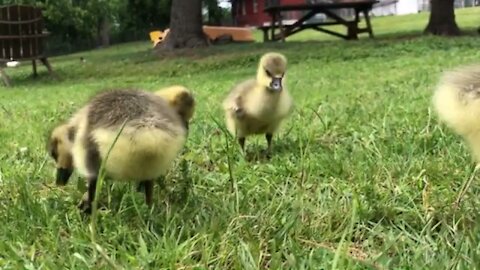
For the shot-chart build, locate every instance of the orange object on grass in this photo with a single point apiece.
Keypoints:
(239, 34)
(158, 36)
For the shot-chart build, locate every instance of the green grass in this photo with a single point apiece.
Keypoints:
(362, 177)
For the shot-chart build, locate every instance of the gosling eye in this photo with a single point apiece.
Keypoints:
(52, 149)
(54, 154)
(268, 73)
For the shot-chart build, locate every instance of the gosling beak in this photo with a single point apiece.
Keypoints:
(63, 175)
(276, 84)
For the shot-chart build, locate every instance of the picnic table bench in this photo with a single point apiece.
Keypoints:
(312, 9)
(22, 37)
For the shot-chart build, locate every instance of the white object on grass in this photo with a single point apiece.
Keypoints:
(13, 63)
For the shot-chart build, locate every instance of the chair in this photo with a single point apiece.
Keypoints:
(22, 37)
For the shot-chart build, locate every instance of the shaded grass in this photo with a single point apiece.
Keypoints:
(362, 176)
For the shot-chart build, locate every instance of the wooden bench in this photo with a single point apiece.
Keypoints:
(22, 37)
(358, 6)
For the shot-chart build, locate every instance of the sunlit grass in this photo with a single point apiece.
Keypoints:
(362, 175)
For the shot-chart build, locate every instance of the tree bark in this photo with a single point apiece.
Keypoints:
(186, 29)
(103, 32)
(442, 19)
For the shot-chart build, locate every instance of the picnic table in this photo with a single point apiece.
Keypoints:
(312, 9)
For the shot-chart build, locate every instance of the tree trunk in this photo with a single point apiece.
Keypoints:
(234, 12)
(442, 19)
(103, 32)
(185, 26)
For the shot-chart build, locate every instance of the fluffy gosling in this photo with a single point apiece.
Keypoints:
(152, 135)
(259, 105)
(457, 103)
(59, 147)
(181, 99)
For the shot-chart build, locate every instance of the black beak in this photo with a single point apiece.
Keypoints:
(185, 123)
(63, 175)
(276, 84)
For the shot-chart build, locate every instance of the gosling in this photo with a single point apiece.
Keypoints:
(61, 138)
(181, 99)
(457, 102)
(259, 105)
(59, 147)
(150, 136)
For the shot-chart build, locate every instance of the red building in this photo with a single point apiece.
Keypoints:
(250, 12)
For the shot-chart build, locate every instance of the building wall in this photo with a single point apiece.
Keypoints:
(250, 12)
(407, 7)
(385, 9)
(399, 7)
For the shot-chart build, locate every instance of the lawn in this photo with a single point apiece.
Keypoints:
(362, 176)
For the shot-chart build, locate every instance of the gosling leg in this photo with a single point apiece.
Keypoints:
(269, 137)
(92, 161)
(148, 185)
(241, 141)
(89, 196)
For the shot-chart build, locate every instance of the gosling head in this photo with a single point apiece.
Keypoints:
(181, 99)
(271, 71)
(59, 148)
